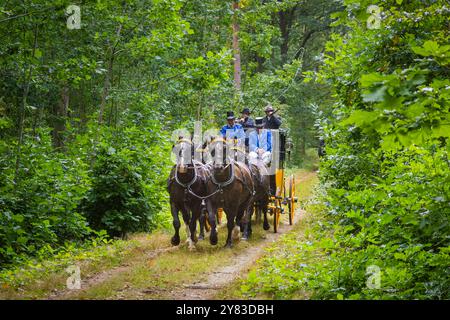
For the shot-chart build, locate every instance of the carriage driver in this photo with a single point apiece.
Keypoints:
(260, 143)
(271, 121)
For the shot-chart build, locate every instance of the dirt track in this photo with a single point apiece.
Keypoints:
(238, 266)
(174, 273)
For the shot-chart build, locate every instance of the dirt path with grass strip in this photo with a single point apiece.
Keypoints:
(156, 270)
(239, 265)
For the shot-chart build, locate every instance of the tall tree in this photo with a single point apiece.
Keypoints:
(236, 49)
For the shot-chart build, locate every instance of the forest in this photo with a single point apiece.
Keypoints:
(91, 93)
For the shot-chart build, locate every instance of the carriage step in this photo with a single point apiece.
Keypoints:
(276, 197)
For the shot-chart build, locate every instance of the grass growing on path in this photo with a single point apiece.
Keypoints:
(246, 287)
(164, 276)
(148, 267)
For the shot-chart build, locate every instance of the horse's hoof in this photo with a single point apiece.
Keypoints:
(266, 226)
(201, 237)
(236, 233)
(245, 238)
(228, 246)
(175, 241)
(213, 240)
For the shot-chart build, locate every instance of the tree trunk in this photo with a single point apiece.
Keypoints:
(303, 139)
(59, 125)
(260, 63)
(108, 76)
(106, 85)
(284, 29)
(285, 23)
(305, 39)
(236, 50)
(26, 90)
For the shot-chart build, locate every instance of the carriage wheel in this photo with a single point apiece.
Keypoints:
(291, 202)
(277, 217)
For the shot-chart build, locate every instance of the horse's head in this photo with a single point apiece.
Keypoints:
(218, 150)
(184, 149)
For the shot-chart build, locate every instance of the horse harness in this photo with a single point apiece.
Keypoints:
(220, 185)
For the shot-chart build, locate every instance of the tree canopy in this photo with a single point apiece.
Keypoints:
(91, 91)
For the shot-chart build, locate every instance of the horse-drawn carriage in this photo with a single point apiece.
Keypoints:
(203, 190)
(282, 199)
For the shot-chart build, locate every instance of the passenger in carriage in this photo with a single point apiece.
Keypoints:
(233, 130)
(247, 123)
(260, 143)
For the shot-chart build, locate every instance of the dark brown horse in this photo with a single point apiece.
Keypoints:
(231, 188)
(261, 181)
(186, 185)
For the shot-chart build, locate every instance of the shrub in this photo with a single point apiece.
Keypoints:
(128, 181)
(38, 206)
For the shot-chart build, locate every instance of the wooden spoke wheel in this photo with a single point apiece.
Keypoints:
(291, 201)
(277, 216)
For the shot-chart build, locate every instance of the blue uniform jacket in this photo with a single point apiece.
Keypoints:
(235, 131)
(261, 141)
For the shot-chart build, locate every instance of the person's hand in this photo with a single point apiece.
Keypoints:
(260, 151)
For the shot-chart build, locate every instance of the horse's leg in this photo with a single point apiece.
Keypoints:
(186, 219)
(247, 210)
(247, 224)
(202, 221)
(249, 228)
(176, 224)
(240, 220)
(242, 217)
(211, 212)
(233, 230)
(264, 207)
(230, 226)
(192, 228)
(257, 212)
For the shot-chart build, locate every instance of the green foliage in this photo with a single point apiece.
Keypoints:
(90, 252)
(128, 182)
(386, 171)
(38, 206)
(387, 155)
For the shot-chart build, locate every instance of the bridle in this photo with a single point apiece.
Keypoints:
(219, 184)
(190, 183)
(225, 183)
(176, 178)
